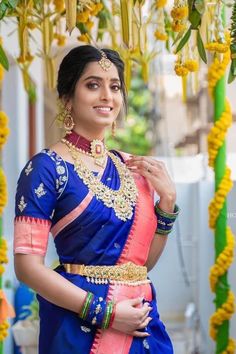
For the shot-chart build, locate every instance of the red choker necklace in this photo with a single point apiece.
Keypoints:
(95, 148)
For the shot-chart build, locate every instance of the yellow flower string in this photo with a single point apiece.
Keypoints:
(218, 201)
(3, 251)
(222, 314)
(4, 330)
(223, 261)
(3, 191)
(179, 13)
(4, 130)
(218, 132)
(216, 139)
(160, 33)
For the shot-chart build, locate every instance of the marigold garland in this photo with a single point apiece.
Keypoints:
(225, 258)
(217, 202)
(3, 251)
(3, 191)
(218, 132)
(222, 314)
(1, 73)
(4, 330)
(223, 261)
(4, 130)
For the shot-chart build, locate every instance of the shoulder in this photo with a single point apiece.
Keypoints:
(46, 163)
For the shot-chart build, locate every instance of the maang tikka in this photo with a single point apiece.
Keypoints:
(104, 62)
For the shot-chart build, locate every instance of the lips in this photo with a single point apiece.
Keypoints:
(104, 109)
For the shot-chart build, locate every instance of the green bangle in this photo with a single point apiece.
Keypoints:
(165, 214)
(86, 305)
(165, 221)
(108, 315)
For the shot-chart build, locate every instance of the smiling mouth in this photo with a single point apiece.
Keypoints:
(103, 109)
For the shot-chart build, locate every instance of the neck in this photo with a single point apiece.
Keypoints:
(90, 134)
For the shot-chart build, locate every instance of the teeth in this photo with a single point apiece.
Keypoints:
(107, 109)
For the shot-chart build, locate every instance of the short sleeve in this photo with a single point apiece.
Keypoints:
(35, 201)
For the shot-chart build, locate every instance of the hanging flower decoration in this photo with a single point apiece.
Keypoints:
(160, 32)
(218, 40)
(179, 14)
(194, 15)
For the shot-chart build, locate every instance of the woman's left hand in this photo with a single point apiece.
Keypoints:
(156, 173)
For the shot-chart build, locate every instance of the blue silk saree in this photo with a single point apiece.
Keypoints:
(52, 198)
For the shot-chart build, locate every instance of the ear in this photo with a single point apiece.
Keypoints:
(67, 102)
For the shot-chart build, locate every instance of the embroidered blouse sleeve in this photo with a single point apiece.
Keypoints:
(35, 201)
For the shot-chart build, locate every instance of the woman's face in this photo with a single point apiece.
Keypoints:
(97, 98)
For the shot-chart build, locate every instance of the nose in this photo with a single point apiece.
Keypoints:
(106, 93)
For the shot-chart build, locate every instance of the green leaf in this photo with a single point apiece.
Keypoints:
(231, 77)
(200, 6)
(184, 40)
(3, 59)
(3, 9)
(194, 19)
(13, 3)
(179, 35)
(200, 47)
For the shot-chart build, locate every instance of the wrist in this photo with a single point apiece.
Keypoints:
(167, 203)
(165, 219)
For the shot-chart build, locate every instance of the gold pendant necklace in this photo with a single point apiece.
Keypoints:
(121, 200)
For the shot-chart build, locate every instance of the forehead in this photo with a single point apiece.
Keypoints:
(95, 69)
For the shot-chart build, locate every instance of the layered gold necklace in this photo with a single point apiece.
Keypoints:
(121, 200)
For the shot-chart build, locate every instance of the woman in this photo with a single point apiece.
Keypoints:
(98, 205)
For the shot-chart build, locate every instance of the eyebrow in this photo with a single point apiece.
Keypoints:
(100, 78)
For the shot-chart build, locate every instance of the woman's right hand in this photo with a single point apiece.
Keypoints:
(132, 315)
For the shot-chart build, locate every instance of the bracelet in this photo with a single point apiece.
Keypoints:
(165, 221)
(97, 311)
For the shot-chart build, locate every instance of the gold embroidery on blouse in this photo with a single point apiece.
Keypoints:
(29, 168)
(40, 191)
(121, 200)
(22, 205)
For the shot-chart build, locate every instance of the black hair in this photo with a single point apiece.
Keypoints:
(74, 63)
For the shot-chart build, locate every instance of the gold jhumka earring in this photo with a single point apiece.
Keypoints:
(64, 117)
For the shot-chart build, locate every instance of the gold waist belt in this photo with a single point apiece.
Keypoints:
(125, 272)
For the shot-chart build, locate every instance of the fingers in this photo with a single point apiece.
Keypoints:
(136, 301)
(140, 334)
(145, 165)
(145, 323)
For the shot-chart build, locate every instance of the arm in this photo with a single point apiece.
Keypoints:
(31, 270)
(159, 241)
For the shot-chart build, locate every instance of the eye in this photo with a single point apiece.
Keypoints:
(92, 85)
(116, 87)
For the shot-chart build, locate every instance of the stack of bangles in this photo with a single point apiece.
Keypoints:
(165, 221)
(98, 311)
